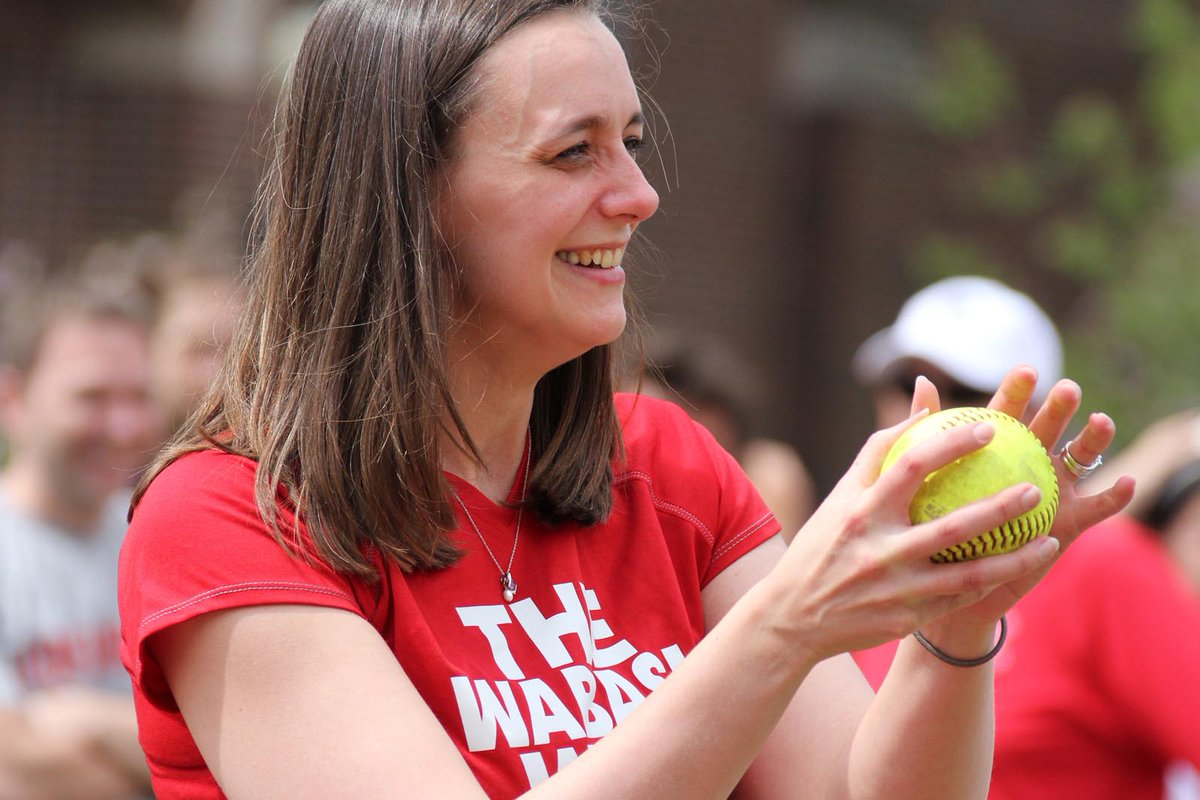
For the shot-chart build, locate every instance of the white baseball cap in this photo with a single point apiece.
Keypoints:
(973, 329)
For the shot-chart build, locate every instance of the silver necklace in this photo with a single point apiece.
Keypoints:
(508, 586)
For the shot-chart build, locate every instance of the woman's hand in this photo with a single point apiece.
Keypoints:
(1076, 511)
(859, 573)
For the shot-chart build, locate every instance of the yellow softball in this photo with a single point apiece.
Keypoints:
(1014, 455)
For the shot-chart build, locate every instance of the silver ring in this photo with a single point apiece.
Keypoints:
(1080, 471)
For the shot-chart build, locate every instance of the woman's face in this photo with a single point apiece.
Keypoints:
(543, 193)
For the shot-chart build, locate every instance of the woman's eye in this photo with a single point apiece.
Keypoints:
(582, 151)
(574, 153)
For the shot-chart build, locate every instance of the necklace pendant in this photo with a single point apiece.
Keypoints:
(508, 586)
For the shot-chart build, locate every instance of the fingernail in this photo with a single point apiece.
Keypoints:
(984, 431)
(1047, 547)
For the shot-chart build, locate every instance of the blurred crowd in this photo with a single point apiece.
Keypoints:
(100, 362)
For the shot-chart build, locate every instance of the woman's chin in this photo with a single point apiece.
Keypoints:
(610, 329)
(597, 333)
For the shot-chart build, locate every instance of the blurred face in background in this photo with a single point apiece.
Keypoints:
(80, 422)
(194, 328)
(894, 393)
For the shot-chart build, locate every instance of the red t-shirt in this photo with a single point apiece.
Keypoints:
(1098, 687)
(602, 615)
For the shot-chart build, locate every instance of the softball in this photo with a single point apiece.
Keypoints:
(1014, 455)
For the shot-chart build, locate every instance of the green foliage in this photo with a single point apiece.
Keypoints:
(1088, 131)
(1011, 188)
(972, 87)
(1164, 26)
(1140, 342)
(1169, 32)
(1172, 100)
(1085, 249)
(1126, 195)
(941, 255)
(1093, 190)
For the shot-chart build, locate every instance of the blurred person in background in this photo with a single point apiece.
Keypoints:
(962, 333)
(198, 297)
(1097, 693)
(192, 278)
(20, 265)
(718, 390)
(75, 408)
(1089, 701)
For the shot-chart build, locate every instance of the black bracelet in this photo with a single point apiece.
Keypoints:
(966, 662)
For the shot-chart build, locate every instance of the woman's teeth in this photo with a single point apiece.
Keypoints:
(604, 259)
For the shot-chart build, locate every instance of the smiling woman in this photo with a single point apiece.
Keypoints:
(412, 544)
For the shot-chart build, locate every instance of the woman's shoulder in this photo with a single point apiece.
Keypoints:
(662, 440)
(645, 418)
(202, 510)
(199, 470)
(208, 462)
(675, 463)
(201, 485)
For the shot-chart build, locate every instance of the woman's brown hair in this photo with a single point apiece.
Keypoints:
(336, 382)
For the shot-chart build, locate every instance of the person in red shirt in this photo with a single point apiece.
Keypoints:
(414, 545)
(1100, 702)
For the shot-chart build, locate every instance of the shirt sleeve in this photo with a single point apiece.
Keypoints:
(695, 479)
(743, 520)
(198, 544)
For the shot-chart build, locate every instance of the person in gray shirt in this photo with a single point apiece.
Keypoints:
(76, 413)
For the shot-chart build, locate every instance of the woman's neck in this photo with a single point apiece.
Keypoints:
(495, 412)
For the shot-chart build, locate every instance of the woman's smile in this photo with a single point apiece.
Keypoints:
(598, 257)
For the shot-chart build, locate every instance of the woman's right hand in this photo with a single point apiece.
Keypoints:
(859, 573)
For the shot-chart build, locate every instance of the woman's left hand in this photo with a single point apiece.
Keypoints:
(1076, 511)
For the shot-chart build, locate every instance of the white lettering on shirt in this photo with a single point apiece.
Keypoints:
(488, 620)
(483, 713)
(596, 679)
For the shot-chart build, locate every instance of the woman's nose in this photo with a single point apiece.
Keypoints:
(630, 195)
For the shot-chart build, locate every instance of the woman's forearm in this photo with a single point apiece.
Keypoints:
(697, 733)
(929, 733)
